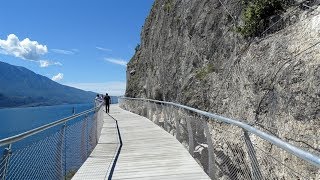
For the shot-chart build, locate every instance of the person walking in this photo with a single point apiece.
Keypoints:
(107, 101)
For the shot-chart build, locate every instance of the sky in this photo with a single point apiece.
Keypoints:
(80, 43)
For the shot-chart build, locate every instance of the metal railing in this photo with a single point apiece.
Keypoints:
(227, 148)
(52, 151)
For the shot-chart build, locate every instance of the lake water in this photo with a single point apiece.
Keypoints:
(17, 120)
(27, 156)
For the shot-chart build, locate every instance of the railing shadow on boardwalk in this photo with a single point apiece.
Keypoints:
(53, 151)
(226, 148)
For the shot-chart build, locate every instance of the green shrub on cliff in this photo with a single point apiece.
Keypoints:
(256, 14)
(168, 6)
(203, 72)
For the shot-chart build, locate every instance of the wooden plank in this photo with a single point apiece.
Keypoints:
(148, 152)
(98, 163)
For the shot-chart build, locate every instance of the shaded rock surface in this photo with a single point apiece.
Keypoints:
(191, 54)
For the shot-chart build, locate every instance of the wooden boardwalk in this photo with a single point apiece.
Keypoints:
(148, 152)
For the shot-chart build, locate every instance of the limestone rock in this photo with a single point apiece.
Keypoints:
(191, 54)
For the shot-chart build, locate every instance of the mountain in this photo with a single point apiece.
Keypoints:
(22, 87)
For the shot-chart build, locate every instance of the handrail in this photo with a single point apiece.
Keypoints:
(26, 134)
(311, 158)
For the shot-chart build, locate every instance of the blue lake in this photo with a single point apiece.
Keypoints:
(17, 120)
(48, 146)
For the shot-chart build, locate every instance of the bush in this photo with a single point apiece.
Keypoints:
(256, 14)
(168, 6)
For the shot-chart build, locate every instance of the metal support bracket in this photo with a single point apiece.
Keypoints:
(256, 174)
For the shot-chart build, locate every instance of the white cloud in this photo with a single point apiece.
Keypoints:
(103, 49)
(25, 49)
(112, 88)
(46, 63)
(57, 77)
(117, 61)
(62, 51)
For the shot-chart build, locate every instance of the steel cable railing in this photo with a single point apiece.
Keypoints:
(226, 148)
(63, 147)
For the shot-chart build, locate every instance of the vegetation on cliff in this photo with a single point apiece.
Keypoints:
(190, 54)
(256, 13)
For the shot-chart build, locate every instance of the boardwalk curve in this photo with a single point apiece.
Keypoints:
(148, 152)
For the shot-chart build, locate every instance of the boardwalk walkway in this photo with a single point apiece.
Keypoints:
(148, 152)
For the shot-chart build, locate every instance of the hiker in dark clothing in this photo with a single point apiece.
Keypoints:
(107, 101)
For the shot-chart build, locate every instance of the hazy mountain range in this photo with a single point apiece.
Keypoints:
(22, 87)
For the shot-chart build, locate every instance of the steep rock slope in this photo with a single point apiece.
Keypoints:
(191, 54)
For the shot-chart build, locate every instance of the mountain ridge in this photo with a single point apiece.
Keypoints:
(21, 87)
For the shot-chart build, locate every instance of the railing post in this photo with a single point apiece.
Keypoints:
(166, 118)
(65, 149)
(6, 157)
(146, 107)
(87, 129)
(256, 174)
(176, 119)
(154, 112)
(60, 152)
(97, 118)
(83, 138)
(156, 121)
(211, 160)
(190, 136)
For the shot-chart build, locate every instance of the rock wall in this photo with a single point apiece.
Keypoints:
(221, 149)
(191, 54)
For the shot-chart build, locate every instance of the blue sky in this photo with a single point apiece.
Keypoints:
(80, 43)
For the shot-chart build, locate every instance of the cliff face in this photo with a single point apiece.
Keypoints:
(191, 54)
